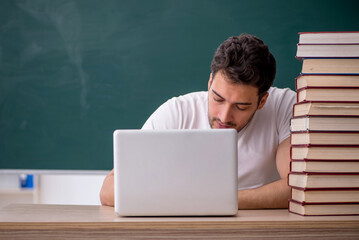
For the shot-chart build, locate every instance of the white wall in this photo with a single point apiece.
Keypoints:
(9, 181)
(52, 189)
(70, 189)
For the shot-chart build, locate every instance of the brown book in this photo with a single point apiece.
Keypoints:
(323, 165)
(323, 209)
(329, 37)
(323, 180)
(321, 152)
(324, 138)
(319, 108)
(327, 80)
(324, 123)
(335, 94)
(330, 65)
(327, 50)
(325, 195)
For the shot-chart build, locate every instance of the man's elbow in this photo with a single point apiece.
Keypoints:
(107, 191)
(105, 198)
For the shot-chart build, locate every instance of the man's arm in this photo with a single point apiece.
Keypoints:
(272, 195)
(107, 190)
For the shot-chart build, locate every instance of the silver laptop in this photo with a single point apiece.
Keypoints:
(175, 172)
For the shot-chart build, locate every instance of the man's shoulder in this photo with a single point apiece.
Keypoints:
(281, 92)
(279, 99)
(190, 99)
(187, 111)
(193, 96)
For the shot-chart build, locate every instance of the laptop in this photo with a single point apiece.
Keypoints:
(175, 172)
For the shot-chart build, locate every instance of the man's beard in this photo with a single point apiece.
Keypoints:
(214, 120)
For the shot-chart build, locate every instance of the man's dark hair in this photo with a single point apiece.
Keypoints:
(245, 59)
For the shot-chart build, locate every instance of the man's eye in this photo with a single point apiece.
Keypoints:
(241, 109)
(218, 99)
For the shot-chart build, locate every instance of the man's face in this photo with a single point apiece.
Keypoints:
(231, 105)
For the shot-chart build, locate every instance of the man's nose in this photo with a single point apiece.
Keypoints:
(226, 114)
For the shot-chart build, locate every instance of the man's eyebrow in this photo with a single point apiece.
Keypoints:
(217, 94)
(239, 103)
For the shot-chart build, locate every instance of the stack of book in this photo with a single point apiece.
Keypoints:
(325, 126)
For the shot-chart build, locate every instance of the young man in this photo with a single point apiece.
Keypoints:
(239, 96)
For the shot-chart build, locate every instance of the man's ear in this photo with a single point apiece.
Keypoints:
(263, 101)
(210, 81)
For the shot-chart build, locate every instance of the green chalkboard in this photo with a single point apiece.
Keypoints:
(71, 72)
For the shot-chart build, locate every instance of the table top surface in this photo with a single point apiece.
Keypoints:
(39, 221)
(83, 213)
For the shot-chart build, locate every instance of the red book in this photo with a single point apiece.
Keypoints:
(335, 66)
(339, 37)
(323, 209)
(325, 123)
(328, 94)
(327, 80)
(322, 108)
(324, 152)
(324, 138)
(339, 50)
(324, 166)
(325, 195)
(309, 180)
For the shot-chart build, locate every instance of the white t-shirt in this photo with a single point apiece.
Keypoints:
(257, 142)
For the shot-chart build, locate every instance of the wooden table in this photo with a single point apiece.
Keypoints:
(38, 221)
